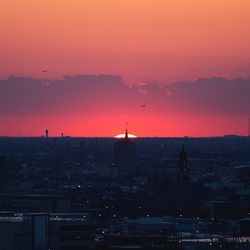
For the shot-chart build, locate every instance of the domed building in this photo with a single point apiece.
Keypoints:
(124, 150)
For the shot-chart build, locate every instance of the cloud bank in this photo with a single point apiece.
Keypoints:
(83, 94)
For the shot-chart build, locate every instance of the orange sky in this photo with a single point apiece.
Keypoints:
(141, 40)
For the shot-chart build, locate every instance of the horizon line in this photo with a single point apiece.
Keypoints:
(137, 137)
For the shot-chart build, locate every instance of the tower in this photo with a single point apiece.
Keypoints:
(183, 166)
(124, 150)
(47, 133)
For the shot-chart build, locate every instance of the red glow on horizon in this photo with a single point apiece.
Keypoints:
(150, 125)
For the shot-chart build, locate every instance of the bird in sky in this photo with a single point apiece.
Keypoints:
(143, 106)
(44, 71)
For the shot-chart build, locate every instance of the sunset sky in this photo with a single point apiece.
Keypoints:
(149, 44)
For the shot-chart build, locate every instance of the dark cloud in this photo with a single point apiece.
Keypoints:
(72, 94)
(106, 93)
(213, 96)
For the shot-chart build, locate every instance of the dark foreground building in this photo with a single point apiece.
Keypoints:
(142, 233)
(40, 231)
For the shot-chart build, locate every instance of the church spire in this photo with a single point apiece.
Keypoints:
(126, 134)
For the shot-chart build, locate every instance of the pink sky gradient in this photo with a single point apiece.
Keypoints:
(142, 41)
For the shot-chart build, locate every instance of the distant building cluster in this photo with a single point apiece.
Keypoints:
(66, 193)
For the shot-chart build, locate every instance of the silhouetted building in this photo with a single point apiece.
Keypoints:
(3, 173)
(245, 227)
(38, 231)
(142, 233)
(124, 150)
(183, 166)
(243, 172)
(34, 203)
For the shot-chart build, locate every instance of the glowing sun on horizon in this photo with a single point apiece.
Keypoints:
(123, 136)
